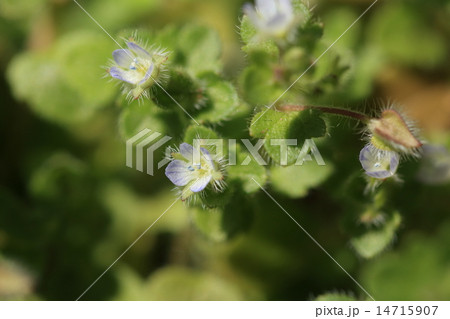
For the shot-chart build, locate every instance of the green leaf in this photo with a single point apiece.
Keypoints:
(136, 117)
(81, 55)
(211, 198)
(201, 47)
(223, 223)
(199, 132)
(246, 175)
(310, 30)
(209, 223)
(263, 121)
(253, 43)
(296, 180)
(296, 60)
(259, 85)
(417, 270)
(298, 126)
(222, 100)
(376, 240)
(180, 90)
(38, 79)
(247, 30)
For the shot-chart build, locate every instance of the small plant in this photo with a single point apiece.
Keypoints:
(280, 39)
(274, 115)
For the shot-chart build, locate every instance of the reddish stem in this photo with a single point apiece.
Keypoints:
(331, 110)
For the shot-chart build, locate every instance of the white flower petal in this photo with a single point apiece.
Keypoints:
(277, 23)
(179, 172)
(286, 7)
(267, 8)
(130, 76)
(187, 151)
(249, 10)
(123, 58)
(206, 155)
(200, 184)
(272, 18)
(140, 52)
(120, 74)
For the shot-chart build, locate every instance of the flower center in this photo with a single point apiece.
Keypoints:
(137, 65)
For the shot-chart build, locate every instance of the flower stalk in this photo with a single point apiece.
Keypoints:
(326, 109)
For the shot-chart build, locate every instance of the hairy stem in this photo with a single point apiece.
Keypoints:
(326, 109)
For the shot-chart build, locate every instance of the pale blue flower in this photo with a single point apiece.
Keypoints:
(137, 68)
(378, 163)
(190, 173)
(273, 18)
(134, 65)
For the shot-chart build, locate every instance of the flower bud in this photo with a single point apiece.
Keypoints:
(393, 132)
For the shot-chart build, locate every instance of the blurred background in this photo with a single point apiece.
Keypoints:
(69, 206)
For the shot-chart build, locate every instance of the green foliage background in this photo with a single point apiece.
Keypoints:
(69, 206)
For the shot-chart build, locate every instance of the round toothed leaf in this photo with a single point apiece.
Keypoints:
(375, 240)
(180, 92)
(201, 47)
(259, 85)
(199, 131)
(221, 99)
(81, 55)
(38, 79)
(263, 121)
(290, 133)
(296, 180)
